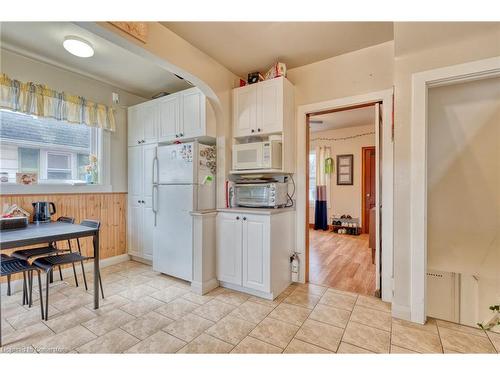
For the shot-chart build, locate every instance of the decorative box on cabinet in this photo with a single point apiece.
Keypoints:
(253, 251)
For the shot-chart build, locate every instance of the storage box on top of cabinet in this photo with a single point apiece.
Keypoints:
(182, 116)
(253, 251)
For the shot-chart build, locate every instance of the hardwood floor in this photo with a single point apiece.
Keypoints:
(341, 261)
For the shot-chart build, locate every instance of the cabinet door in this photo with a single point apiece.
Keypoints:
(135, 228)
(148, 155)
(135, 130)
(229, 237)
(245, 111)
(150, 120)
(169, 117)
(193, 114)
(148, 230)
(270, 106)
(256, 255)
(135, 173)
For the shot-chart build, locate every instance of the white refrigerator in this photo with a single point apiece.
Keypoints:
(183, 181)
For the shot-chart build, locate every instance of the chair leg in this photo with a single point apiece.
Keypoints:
(40, 291)
(100, 283)
(60, 273)
(47, 296)
(30, 281)
(9, 292)
(51, 276)
(74, 273)
(25, 290)
(84, 277)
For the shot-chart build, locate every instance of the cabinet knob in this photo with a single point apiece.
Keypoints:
(237, 218)
(244, 218)
(138, 142)
(258, 129)
(138, 201)
(177, 136)
(181, 135)
(252, 131)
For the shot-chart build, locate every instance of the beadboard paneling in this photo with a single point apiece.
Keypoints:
(109, 208)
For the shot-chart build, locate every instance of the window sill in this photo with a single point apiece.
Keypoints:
(52, 188)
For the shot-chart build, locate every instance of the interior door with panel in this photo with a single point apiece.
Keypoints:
(134, 128)
(169, 115)
(245, 111)
(229, 242)
(270, 106)
(256, 260)
(150, 120)
(192, 118)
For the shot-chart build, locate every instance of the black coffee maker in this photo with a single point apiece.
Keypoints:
(42, 212)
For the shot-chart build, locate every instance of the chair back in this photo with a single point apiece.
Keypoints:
(91, 223)
(66, 219)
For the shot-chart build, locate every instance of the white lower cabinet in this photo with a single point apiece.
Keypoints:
(253, 252)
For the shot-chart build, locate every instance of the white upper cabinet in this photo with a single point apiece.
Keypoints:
(193, 114)
(262, 108)
(169, 117)
(180, 116)
(135, 175)
(245, 111)
(270, 106)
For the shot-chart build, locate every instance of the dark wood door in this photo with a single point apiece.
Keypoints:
(368, 185)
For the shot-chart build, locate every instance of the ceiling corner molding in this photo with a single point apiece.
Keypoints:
(139, 30)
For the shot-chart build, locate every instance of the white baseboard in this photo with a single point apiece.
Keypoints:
(253, 292)
(17, 285)
(204, 287)
(141, 260)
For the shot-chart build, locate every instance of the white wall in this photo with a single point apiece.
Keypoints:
(344, 199)
(26, 69)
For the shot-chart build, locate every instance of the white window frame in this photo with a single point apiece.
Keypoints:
(100, 145)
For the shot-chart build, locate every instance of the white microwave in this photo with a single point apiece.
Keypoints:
(258, 155)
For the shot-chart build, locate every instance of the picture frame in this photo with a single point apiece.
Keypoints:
(26, 178)
(345, 169)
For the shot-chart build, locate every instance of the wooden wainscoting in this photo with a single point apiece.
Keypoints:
(109, 208)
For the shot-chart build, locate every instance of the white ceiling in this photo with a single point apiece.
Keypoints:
(245, 47)
(110, 63)
(344, 119)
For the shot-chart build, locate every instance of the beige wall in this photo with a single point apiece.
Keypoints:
(344, 199)
(420, 47)
(359, 72)
(26, 69)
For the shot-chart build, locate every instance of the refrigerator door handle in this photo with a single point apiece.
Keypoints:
(154, 199)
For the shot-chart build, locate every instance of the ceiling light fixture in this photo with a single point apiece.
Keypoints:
(78, 46)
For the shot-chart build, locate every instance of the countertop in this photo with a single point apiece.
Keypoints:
(256, 211)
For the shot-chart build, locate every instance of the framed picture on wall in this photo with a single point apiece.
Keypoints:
(345, 169)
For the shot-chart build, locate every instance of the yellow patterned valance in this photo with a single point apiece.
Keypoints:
(39, 100)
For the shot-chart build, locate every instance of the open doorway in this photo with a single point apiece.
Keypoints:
(343, 188)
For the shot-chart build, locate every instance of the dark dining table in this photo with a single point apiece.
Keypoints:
(44, 233)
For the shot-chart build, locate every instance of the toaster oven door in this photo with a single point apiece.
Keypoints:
(253, 196)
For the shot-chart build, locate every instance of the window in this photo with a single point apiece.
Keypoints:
(312, 176)
(56, 150)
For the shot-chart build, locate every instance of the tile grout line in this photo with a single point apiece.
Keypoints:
(348, 320)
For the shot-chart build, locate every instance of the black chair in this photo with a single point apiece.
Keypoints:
(5, 258)
(51, 249)
(13, 266)
(48, 263)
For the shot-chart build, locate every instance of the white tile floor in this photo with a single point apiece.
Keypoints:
(146, 312)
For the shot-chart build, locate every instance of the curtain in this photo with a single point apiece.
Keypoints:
(40, 100)
(322, 176)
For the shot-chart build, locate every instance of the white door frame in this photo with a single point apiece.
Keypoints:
(386, 201)
(421, 82)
